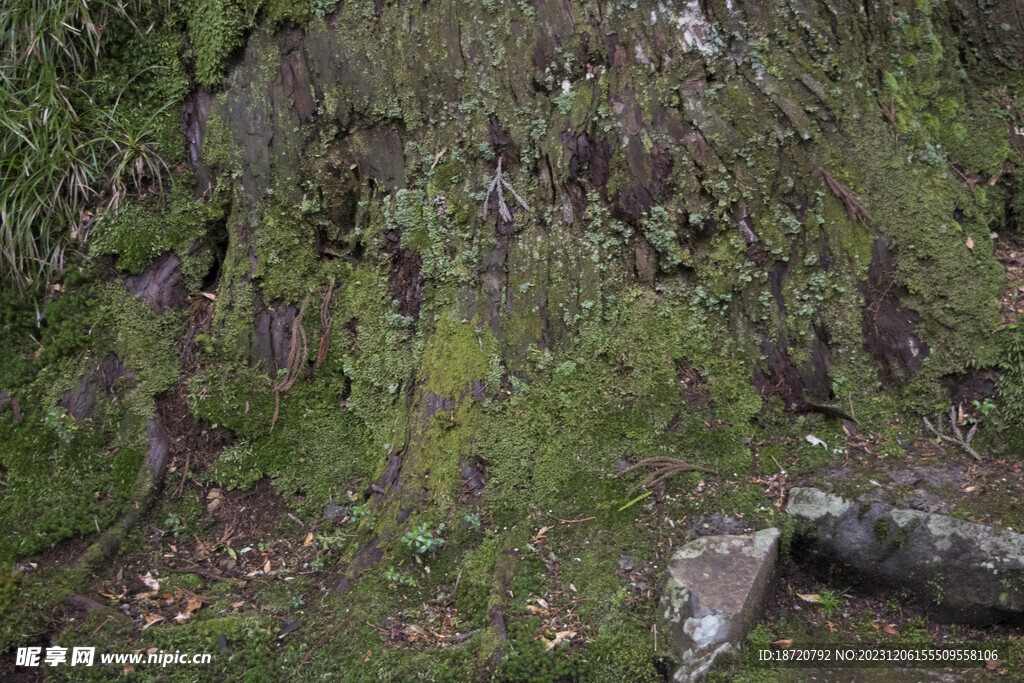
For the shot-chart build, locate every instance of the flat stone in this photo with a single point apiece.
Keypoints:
(714, 595)
(966, 572)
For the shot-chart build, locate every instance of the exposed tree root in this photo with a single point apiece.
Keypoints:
(663, 467)
(298, 353)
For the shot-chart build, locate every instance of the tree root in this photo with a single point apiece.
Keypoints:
(664, 467)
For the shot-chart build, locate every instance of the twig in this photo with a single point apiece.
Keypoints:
(960, 440)
(664, 467)
(297, 355)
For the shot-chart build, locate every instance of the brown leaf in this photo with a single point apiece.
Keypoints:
(784, 644)
(809, 597)
(891, 629)
(970, 243)
(309, 539)
(266, 567)
(991, 664)
(533, 609)
(152, 619)
(559, 637)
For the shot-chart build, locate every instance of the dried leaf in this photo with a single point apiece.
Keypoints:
(573, 588)
(809, 597)
(543, 603)
(152, 619)
(266, 567)
(151, 583)
(182, 616)
(970, 243)
(533, 609)
(890, 629)
(114, 597)
(784, 644)
(559, 637)
(309, 539)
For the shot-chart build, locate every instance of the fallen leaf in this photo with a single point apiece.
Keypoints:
(785, 644)
(573, 588)
(114, 597)
(543, 603)
(815, 441)
(970, 489)
(559, 637)
(970, 243)
(151, 583)
(266, 567)
(181, 616)
(152, 619)
(809, 597)
(533, 609)
(890, 629)
(309, 539)
(238, 604)
(193, 604)
(991, 664)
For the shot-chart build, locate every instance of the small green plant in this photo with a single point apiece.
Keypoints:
(985, 407)
(422, 539)
(329, 543)
(830, 601)
(394, 577)
(226, 548)
(361, 516)
(472, 520)
(175, 525)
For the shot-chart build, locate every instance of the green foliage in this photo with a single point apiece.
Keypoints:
(59, 138)
(422, 539)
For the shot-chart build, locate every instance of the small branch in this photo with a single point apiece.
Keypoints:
(664, 467)
(958, 437)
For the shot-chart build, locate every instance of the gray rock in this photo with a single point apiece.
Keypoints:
(969, 572)
(714, 595)
(626, 562)
(335, 511)
(718, 524)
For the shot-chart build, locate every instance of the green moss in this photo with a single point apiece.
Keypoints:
(137, 234)
(216, 29)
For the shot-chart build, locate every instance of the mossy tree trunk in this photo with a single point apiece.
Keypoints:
(731, 212)
(732, 205)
